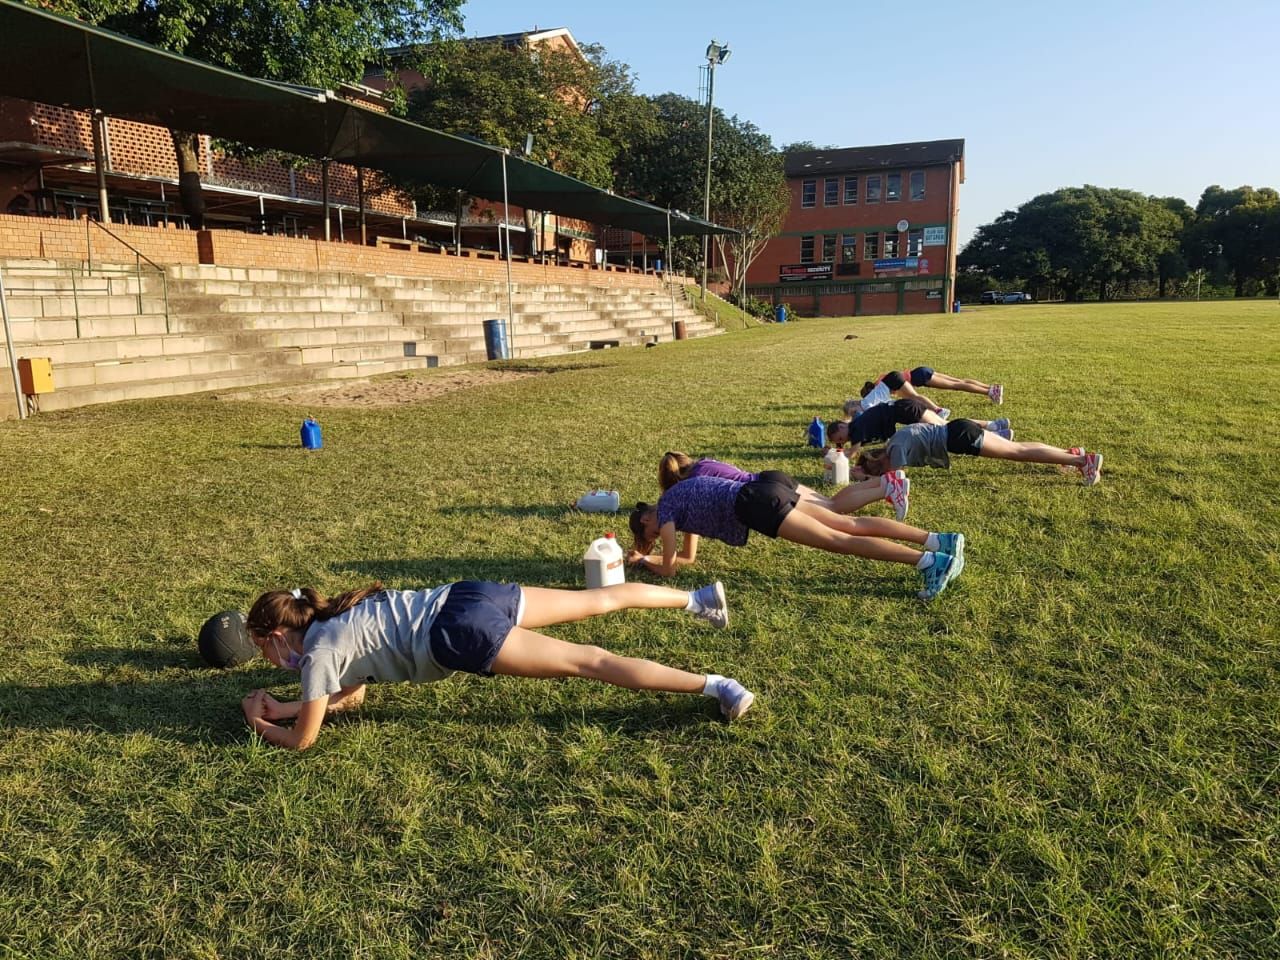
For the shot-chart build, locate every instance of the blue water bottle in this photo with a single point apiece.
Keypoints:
(817, 433)
(311, 434)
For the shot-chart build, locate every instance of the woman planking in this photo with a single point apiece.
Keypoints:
(729, 510)
(340, 644)
(929, 445)
(880, 422)
(905, 382)
(892, 486)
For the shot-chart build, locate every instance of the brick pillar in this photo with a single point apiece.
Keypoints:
(204, 244)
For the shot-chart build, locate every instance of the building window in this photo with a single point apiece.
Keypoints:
(893, 190)
(850, 190)
(829, 248)
(890, 245)
(848, 247)
(831, 192)
(915, 243)
(873, 189)
(871, 242)
(917, 184)
(809, 193)
(806, 249)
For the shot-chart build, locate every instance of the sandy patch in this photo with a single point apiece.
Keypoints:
(386, 392)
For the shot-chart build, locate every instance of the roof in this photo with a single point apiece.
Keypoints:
(123, 77)
(851, 159)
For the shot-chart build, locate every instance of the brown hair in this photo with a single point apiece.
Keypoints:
(672, 468)
(867, 387)
(874, 463)
(847, 424)
(636, 522)
(280, 608)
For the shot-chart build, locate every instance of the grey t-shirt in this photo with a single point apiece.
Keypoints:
(919, 445)
(382, 639)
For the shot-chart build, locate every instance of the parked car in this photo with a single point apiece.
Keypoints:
(991, 296)
(1018, 297)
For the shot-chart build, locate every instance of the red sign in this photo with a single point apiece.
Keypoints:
(804, 271)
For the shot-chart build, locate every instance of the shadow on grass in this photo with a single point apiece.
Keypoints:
(272, 446)
(433, 571)
(775, 451)
(545, 510)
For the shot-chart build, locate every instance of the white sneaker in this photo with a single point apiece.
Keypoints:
(735, 699)
(996, 394)
(715, 607)
(899, 493)
(1092, 469)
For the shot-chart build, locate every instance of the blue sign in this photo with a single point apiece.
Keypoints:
(897, 263)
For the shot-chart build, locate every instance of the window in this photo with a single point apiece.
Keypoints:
(806, 249)
(829, 248)
(850, 190)
(831, 191)
(890, 245)
(893, 190)
(915, 243)
(871, 242)
(848, 247)
(873, 189)
(917, 184)
(809, 193)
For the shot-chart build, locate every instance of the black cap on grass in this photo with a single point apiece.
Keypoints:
(224, 640)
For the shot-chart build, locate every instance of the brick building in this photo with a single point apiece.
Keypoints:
(46, 169)
(871, 230)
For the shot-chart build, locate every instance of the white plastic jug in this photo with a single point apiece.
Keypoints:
(840, 467)
(829, 465)
(599, 501)
(603, 562)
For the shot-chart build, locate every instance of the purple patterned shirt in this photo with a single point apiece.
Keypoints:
(704, 505)
(718, 468)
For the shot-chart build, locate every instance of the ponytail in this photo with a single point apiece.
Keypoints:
(636, 522)
(867, 387)
(672, 468)
(874, 463)
(298, 609)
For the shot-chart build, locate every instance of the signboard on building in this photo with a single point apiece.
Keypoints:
(804, 271)
(891, 265)
(933, 294)
(935, 236)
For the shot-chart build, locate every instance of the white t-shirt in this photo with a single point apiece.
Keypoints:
(384, 638)
(879, 394)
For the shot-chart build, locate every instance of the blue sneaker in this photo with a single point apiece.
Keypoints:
(714, 606)
(952, 543)
(735, 699)
(944, 413)
(945, 569)
(998, 425)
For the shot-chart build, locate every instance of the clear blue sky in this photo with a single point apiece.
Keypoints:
(1161, 97)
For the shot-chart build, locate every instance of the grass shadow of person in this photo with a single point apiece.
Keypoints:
(420, 572)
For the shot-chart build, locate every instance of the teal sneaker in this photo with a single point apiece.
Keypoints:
(952, 543)
(945, 569)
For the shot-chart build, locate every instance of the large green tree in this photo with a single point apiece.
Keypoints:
(1237, 231)
(316, 42)
(1078, 238)
(667, 166)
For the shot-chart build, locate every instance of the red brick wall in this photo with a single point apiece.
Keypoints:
(66, 240)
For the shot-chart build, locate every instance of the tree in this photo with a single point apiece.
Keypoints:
(319, 43)
(1235, 230)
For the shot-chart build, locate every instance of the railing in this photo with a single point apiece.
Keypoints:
(138, 256)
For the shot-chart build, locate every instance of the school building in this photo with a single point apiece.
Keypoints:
(871, 231)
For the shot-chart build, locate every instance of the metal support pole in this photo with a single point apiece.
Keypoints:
(364, 232)
(99, 165)
(324, 194)
(342, 236)
(13, 354)
(666, 276)
(706, 196)
(506, 213)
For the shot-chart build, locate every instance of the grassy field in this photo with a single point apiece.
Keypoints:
(1072, 753)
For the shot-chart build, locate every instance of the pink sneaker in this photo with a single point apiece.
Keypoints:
(1092, 469)
(898, 493)
(996, 394)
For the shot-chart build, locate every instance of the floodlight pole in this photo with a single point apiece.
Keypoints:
(666, 270)
(324, 194)
(99, 124)
(716, 55)
(506, 220)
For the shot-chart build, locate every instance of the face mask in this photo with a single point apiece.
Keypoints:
(291, 662)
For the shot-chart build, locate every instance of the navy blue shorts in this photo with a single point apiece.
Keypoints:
(473, 624)
(921, 376)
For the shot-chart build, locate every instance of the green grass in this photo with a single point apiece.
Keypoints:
(1072, 753)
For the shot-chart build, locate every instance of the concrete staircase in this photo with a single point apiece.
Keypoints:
(109, 338)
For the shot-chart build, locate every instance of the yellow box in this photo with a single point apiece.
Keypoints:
(36, 375)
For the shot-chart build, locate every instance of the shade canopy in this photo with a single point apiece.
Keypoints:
(51, 59)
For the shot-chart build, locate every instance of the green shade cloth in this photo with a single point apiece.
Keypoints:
(51, 59)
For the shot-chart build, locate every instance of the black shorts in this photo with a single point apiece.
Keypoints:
(473, 624)
(909, 410)
(965, 436)
(895, 379)
(765, 502)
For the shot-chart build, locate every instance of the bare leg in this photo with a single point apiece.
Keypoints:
(799, 527)
(865, 526)
(813, 496)
(528, 654)
(855, 496)
(909, 391)
(543, 606)
(941, 381)
(998, 448)
(930, 416)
